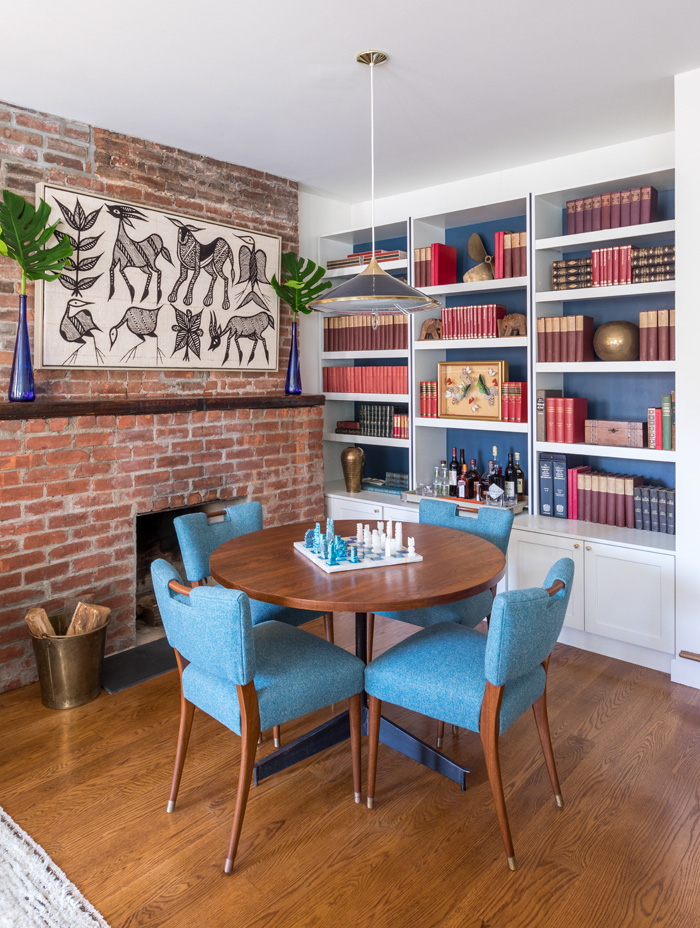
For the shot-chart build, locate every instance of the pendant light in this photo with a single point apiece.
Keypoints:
(373, 292)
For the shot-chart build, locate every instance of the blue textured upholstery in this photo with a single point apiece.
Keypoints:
(294, 672)
(198, 538)
(442, 671)
(493, 525)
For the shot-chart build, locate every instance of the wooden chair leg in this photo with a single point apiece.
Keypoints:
(370, 635)
(440, 732)
(328, 621)
(250, 730)
(183, 738)
(375, 708)
(488, 729)
(539, 710)
(356, 743)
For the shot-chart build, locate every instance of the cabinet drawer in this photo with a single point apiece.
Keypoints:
(352, 509)
(530, 556)
(400, 515)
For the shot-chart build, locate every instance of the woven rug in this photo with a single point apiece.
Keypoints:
(34, 893)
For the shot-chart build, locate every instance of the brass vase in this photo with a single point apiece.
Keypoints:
(617, 341)
(353, 463)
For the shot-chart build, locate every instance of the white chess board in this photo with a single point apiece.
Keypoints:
(366, 559)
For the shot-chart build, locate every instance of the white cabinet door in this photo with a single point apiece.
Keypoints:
(630, 595)
(530, 556)
(337, 508)
(400, 515)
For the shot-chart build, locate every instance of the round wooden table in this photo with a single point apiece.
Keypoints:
(267, 567)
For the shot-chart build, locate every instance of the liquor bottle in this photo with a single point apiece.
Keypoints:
(454, 473)
(473, 485)
(462, 462)
(486, 481)
(511, 481)
(444, 480)
(462, 483)
(519, 477)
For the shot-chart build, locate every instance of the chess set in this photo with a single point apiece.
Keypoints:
(379, 547)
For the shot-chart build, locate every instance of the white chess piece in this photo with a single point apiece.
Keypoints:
(358, 532)
(394, 547)
(389, 533)
(411, 546)
(387, 547)
(382, 538)
(376, 544)
(366, 537)
(398, 535)
(380, 527)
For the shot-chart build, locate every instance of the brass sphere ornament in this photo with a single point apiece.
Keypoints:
(353, 463)
(617, 341)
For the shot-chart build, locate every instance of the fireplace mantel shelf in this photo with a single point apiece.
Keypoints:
(150, 405)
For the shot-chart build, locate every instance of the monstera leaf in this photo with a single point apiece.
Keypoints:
(24, 232)
(301, 282)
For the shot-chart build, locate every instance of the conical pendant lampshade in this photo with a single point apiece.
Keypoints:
(373, 291)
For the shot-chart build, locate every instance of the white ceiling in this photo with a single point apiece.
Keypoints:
(469, 88)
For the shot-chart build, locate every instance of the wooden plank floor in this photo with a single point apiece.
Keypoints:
(91, 786)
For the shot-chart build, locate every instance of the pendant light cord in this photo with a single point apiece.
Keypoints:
(371, 144)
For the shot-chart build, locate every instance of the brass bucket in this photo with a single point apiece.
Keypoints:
(70, 668)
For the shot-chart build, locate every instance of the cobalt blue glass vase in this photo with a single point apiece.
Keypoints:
(22, 376)
(293, 385)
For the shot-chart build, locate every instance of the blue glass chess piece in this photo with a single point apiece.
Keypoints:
(322, 547)
(354, 559)
(332, 559)
(309, 539)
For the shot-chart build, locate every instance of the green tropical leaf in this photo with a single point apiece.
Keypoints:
(25, 232)
(301, 282)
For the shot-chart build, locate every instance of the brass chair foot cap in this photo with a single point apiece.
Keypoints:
(228, 866)
(260, 738)
(171, 805)
(358, 797)
(277, 742)
(560, 801)
(455, 730)
(512, 864)
(370, 802)
(438, 743)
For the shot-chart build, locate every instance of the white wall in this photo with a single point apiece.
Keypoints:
(687, 417)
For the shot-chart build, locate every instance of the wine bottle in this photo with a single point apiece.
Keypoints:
(511, 485)
(519, 477)
(473, 480)
(454, 473)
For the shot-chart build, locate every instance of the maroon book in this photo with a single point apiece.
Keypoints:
(523, 253)
(672, 334)
(605, 210)
(587, 214)
(559, 418)
(615, 210)
(575, 413)
(579, 215)
(610, 498)
(571, 338)
(508, 254)
(595, 497)
(620, 501)
(662, 329)
(584, 338)
(443, 264)
(643, 340)
(551, 414)
(587, 495)
(596, 213)
(570, 217)
(635, 206)
(556, 339)
(541, 349)
(625, 198)
(515, 249)
(653, 334)
(648, 204)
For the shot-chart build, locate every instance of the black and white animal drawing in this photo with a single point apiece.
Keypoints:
(128, 252)
(74, 328)
(252, 263)
(141, 323)
(198, 256)
(241, 327)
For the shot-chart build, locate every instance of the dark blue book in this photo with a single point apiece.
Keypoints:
(546, 485)
(559, 486)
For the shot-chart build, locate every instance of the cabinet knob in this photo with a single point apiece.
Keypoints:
(577, 545)
(589, 548)
(375, 510)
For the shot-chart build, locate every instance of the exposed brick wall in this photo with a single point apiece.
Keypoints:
(70, 489)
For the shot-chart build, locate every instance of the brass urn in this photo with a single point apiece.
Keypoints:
(617, 341)
(353, 463)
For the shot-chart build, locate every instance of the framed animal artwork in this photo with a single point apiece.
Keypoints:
(471, 390)
(146, 288)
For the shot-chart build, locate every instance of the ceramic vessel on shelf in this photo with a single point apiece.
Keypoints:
(353, 462)
(617, 341)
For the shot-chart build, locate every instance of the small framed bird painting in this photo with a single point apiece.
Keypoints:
(471, 390)
(148, 288)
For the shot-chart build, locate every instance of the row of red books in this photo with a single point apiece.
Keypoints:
(435, 265)
(355, 333)
(607, 499)
(657, 335)
(510, 257)
(471, 321)
(566, 418)
(612, 210)
(364, 257)
(428, 399)
(615, 265)
(514, 401)
(385, 380)
(564, 338)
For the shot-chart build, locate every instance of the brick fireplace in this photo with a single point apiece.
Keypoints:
(99, 447)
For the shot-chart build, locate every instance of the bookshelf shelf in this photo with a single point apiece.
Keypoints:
(606, 451)
(608, 534)
(596, 293)
(366, 440)
(478, 286)
(469, 425)
(366, 355)
(605, 367)
(370, 397)
(354, 269)
(566, 244)
(450, 343)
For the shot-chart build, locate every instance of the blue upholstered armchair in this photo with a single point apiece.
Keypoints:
(476, 681)
(247, 676)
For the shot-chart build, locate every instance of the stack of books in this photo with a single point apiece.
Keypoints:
(612, 210)
(564, 338)
(356, 333)
(364, 257)
(428, 399)
(514, 401)
(661, 424)
(347, 427)
(571, 273)
(510, 258)
(566, 418)
(382, 421)
(657, 335)
(472, 321)
(615, 265)
(389, 380)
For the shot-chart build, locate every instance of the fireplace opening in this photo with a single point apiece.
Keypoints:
(156, 537)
